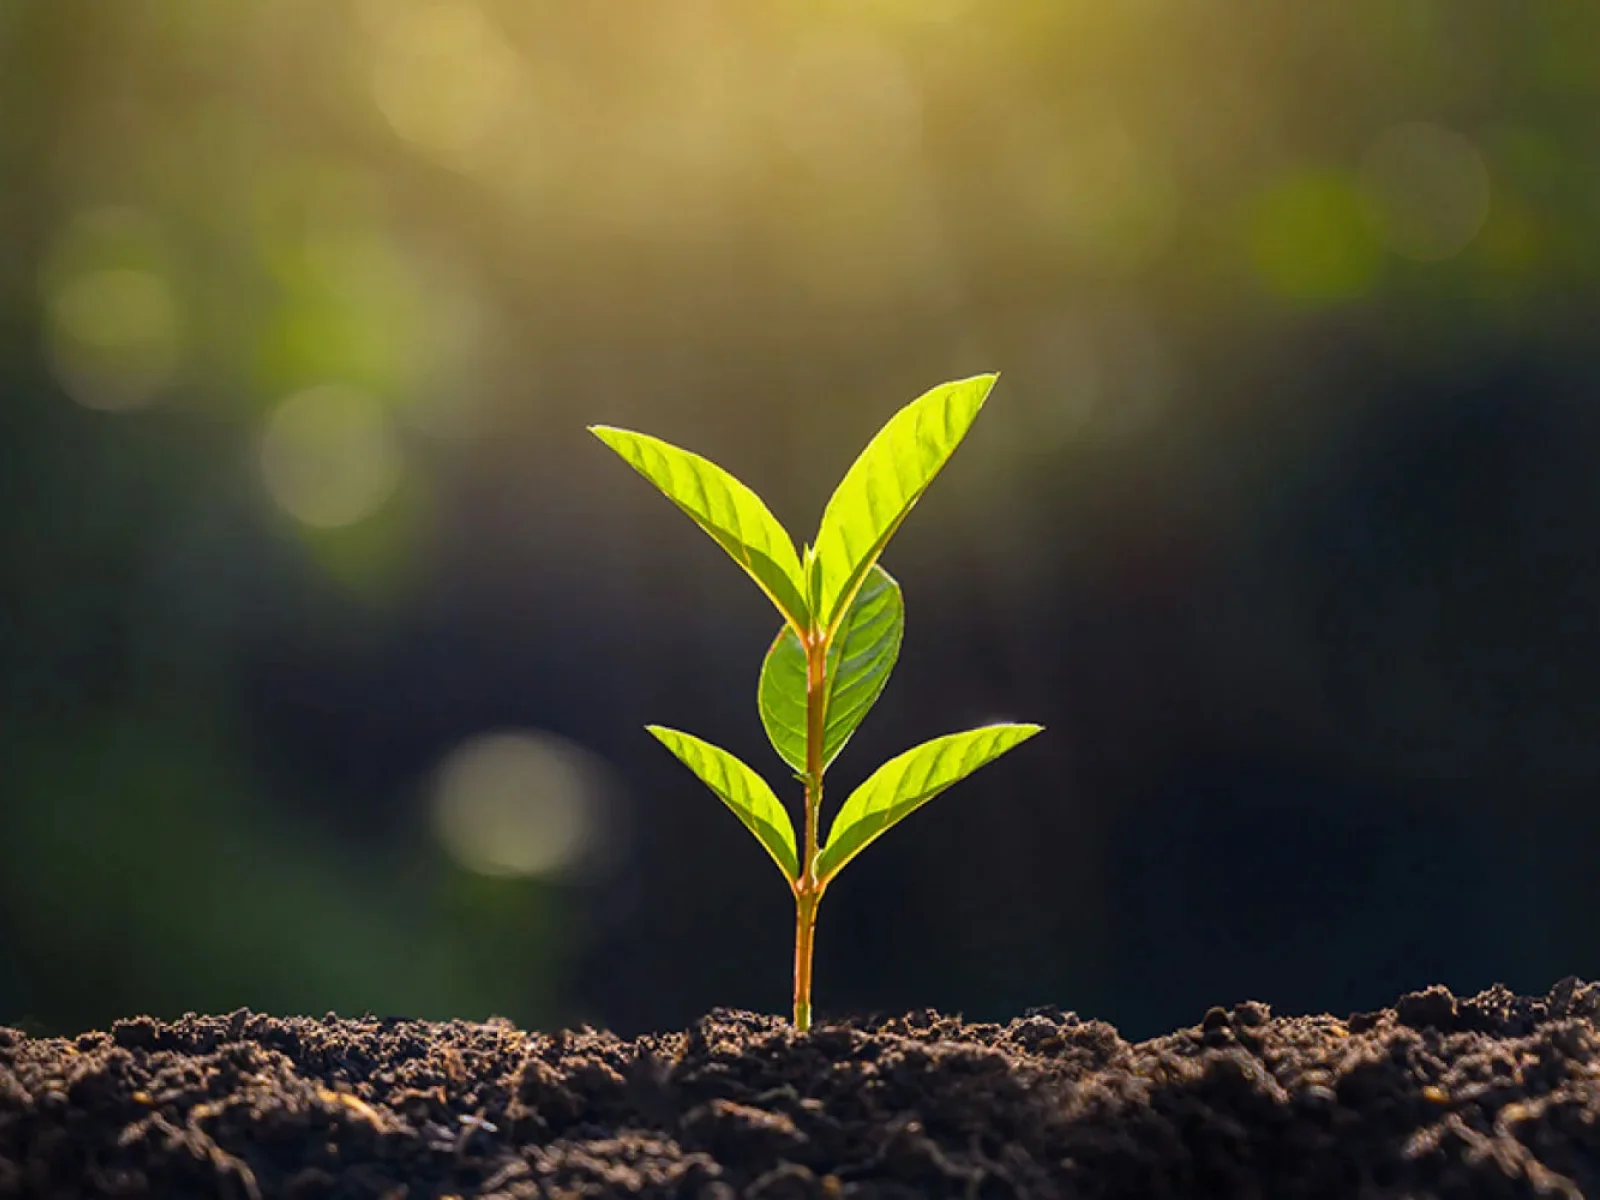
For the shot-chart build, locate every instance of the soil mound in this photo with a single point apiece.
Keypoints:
(1497, 1095)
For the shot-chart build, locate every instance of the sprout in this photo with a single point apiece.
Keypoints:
(843, 621)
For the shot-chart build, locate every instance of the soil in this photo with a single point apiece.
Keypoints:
(1497, 1095)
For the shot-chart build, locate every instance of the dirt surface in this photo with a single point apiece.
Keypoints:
(1494, 1096)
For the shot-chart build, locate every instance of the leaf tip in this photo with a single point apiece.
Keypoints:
(1021, 731)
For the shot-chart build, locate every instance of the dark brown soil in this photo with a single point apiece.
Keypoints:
(1494, 1096)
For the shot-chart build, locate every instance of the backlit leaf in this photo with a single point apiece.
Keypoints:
(884, 483)
(904, 784)
(742, 790)
(860, 658)
(734, 516)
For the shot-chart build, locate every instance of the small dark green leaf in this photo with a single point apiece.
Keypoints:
(905, 783)
(863, 653)
(883, 484)
(730, 512)
(742, 790)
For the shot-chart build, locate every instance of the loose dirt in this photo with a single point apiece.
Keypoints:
(1497, 1095)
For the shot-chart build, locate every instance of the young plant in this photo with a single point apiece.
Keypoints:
(843, 618)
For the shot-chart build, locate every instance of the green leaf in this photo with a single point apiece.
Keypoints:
(904, 784)
(734, 516)
(884, 483)
(742, 790)
(862, 654)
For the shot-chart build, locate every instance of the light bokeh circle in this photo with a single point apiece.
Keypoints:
(330, 456)
(1429, 188)
(520, 803)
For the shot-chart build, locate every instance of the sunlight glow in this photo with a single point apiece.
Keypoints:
(330, 456)
(1096, 193)
(518, 803)
(848, 102)
(114, 328)
(443, 74)
(114, 337)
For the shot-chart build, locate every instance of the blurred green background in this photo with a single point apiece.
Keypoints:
(326, 633)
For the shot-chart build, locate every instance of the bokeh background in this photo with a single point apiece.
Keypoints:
(327, 633)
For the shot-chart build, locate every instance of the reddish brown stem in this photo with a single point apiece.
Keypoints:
(807, 890)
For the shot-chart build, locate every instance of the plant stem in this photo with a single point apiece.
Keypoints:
(807, 892)
(805, 924)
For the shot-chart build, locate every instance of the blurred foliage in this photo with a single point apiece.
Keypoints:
(1285, 510)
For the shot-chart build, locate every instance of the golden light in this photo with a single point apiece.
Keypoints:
(520, 803)
(1430, 190)
(918, 11)
(848, 103)
(1096, 193)
(863, 228)
(443, 75)
(330, 456)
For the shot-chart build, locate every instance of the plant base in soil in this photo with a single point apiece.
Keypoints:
(1497, 1095)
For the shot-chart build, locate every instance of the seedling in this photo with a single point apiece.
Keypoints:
(843, 619)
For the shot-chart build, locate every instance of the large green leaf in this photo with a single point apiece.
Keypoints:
(904, 784)
(742, 790)
(884, 483)
(729, 511)
(862, 654)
